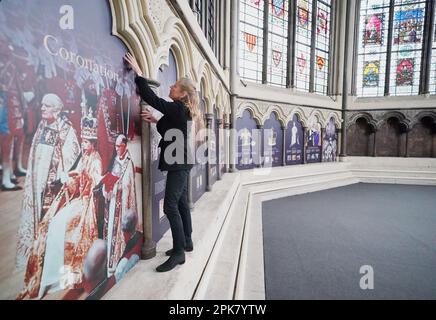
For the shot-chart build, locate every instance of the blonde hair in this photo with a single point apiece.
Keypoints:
(191, 101)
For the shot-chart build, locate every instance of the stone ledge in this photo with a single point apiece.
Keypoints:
(217, 268)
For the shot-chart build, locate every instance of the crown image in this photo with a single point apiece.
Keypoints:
(89, 126)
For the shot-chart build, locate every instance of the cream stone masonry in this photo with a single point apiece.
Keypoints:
(261, 111)
(150, 29)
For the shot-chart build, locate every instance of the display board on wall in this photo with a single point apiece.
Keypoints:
(273, 142)
(330, 142)
(71, 124)
(248, 142)
(294, 142)
(313, 149)
(198, 172)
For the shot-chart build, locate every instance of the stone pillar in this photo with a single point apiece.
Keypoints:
(374, 147)
(234, 53)
(261, 148)
(219, 157)
(322, 143)
(226, 146)
(209, 118)
(284, 146)
(148, 249)
(406, 151)
(304, 144)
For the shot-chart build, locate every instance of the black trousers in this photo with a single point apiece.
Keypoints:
(176, 208)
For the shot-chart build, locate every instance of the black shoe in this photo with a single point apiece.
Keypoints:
(19, 173)
(3, 188)
(189, 246)
(172, 262)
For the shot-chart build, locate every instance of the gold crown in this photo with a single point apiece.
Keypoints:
(89, 127)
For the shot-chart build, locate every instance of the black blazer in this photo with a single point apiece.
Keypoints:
(175, 116)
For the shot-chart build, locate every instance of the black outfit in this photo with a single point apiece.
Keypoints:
(176, 206)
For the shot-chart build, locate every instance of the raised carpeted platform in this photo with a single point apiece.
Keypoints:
(316, 243)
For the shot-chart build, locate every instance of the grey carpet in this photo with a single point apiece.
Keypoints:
(316, 243)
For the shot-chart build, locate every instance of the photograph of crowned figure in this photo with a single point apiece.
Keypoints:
(117, 214)
(53, 152)
(63, 103)
(69, 228)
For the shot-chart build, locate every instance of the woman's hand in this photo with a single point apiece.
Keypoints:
(148, 117)
(133, 63)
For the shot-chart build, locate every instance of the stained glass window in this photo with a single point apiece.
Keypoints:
(251, 39)
(373, 35)
(407, 45)
(432, 79)
(322, 44)
(312, 45)
(278, 42)
(404, 52)
(303, 43)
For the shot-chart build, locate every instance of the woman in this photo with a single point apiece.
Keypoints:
(176, 115)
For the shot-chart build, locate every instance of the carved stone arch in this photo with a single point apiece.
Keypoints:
(300, 115)
(131, 23)
(318, 115)
(393, 114)
(253, 108)
(205, 81)
(279, 114)
(179, 42)
(421, 115)
(367, 116)
(220, 102)
(337, 119)
(203, 89)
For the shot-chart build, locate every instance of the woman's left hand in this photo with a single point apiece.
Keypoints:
(148, 117)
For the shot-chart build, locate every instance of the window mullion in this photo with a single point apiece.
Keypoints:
(312, 49)
(265, 42)
(292, 14)
(331, 48)
(424, 86)
(389, 47)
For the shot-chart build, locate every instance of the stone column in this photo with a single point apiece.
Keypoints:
(219, 156)
(322, 142)
(406, 151)
(226, 146)
(209, 118)
(304, 144)
(148, 249)
(284, 146)
(261, 148)
(374, 147)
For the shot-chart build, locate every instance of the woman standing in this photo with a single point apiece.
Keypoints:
(177, 117)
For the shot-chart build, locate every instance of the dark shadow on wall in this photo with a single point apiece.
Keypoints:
(422, 139)
(359, 142)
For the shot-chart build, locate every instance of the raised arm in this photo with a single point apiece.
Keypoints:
(146, 93)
